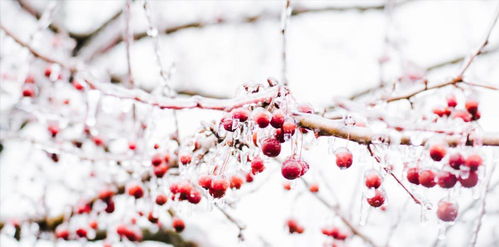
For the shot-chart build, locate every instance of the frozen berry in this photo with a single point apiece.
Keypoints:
(413, 175)
(377, 200)
(437, 152)
(185, 159)
(473, 161)
(373, 180)
(136, 191)
(161, 199)
(291, 169)
(156, 160)
(262, 119)
(236, 182)
(277, 120)
(446, 179)
(447, 211)
(456, 160)
(344, 158)
(470, 180)
(160, 171)
(271, 147)
(218, 187)
(471, 106)
(427, 178)
(240, 114)
(178, 224)
(313, 188)
(205, 181)
(451, 101)
(257, 165)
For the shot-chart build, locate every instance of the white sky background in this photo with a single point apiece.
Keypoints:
(331, 55)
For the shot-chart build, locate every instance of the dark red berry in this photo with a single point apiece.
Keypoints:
(473, 161)
(456, 160)
(470, 181)
(377, 200)
(427, 178)
(262, 119)
(277, 120)
(292, 169)
(446, 179)
(178, 224)
(437, 152)
(271, 147)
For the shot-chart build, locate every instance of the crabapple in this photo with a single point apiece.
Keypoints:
(156, 160)
(136, 191)
(446, 179)
(240, 114)
(471, 106)
(344, 158)
(377, 200)
(456, 160)
(161, 199)
(81, 232)
(106, 195)
(373, 180)
(470, 181)
(160, 171)
(437, 152)
(194, 197)
(185, 159)
(451, 101)
(413, 175)
(236, 182)
(288, 127)
(262, 119)
(205, 181)
(277, 120)
(257, 165)
(271, 147)
(427, 178)
(291, 169)
(218, 187)
(473, 161)
(447, 211)
(178, 224)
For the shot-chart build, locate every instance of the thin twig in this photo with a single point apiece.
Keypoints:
(285, 15)
(128, 42)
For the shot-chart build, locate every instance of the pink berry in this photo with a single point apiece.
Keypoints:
(277, 120)
(470, 181)
(427, 178)
(447, 211)
(437, 152)
(377, 200)
(473, 161)
(413, 175)
(262, 119)
(344, 158)
(456, 160)
(446, 179)
(271, 147)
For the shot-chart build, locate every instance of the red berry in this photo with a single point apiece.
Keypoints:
(413, 175)
(174, 188)
(156, 160)
(228, 124)
(470, 181)
(377, 200)
(344, 158)
(81, 232)
(292, 169)
(437, 152)
(218, 187)
(288, 127)
(236, 182)
(447, 211)
(473, 162)
(29, 79)
(262, 119)
(194, 197)
(54, 130)
(153, 219)
(287, 186)
(446, 180)
(205, 181)
(109, 206)
(185, 159)
(427, 178)
(62, 234)
(28, 92)
(93, 224)
(441, 111)
(136, 191)
(106, 195)
(279, 135)
(471, 106)
(185, 188)
(257, 165)
(456, 160)
(160, 171)
(249, 177)
(314, 188)
(77, 85)
(178, 224)
(271, 147)
(277, 120)
(240, 114)
(373, 180)
(132, 146)
(161, 199)
(47, 72)
(464, 115)
(84, 208)
(451, 101)
(98, 141)
(294, 227)
(305, 108)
